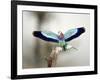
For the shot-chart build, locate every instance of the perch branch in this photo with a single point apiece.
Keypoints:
(52, 59)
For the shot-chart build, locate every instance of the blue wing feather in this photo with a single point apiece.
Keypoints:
(73, 33)
(47, 36)
(50, 34)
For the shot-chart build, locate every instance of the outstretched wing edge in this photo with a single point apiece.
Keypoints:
(75, 34)
(44, 36)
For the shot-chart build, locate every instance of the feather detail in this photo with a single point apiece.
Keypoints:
(74, 33)
(44, 36)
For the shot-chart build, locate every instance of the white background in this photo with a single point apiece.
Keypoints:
(80, 57)
(5, 29)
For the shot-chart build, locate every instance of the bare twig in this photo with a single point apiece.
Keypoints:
(52, 59)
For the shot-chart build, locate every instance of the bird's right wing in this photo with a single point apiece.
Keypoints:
(46, 35)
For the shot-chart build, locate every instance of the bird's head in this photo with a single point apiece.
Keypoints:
(60, 35)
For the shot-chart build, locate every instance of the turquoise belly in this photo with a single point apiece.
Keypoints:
(62, 43)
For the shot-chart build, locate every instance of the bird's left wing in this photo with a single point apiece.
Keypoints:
(73, 33)
(46, 35)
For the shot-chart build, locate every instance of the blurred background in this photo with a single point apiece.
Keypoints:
(35, 50)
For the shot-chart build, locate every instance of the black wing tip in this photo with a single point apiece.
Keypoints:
(34, 33)
(82, 29)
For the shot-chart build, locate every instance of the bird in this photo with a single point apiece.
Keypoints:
(61, 38)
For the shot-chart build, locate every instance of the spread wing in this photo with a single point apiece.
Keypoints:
(46, 35)
(73, 33)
